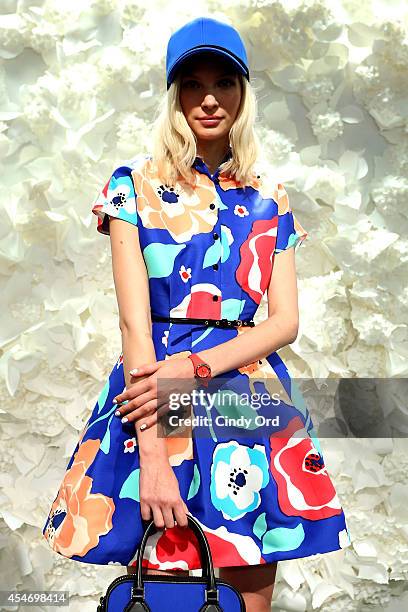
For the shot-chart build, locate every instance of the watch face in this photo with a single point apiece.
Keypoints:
(203, 370)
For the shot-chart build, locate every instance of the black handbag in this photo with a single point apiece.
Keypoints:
(154, 593)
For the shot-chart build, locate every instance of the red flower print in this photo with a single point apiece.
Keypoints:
(256, 258)
(181, 548)
(304, 487)
(185, 273)
(240, 210)
(130, 445)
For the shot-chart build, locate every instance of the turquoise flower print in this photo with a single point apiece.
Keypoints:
(209, 247)
(238, 473)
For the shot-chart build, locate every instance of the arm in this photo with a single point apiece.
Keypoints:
(278, 330)
(159, 491)
(132, 291)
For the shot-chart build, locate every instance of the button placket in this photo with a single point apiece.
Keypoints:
(202, 167)
(216, 266)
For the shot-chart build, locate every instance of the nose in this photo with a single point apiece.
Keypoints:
(210, 101)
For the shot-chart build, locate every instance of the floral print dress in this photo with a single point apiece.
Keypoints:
(261, 494)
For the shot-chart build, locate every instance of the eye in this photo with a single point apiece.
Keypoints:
(189, 83)
(228, 82)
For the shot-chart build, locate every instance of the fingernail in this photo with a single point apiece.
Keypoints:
(133, 371)
(117, 413)
(124, 420)
(114, 401)
(143, 426)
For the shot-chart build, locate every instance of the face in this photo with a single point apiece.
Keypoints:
(210, 96)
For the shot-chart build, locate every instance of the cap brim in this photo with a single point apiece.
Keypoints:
(220, 52)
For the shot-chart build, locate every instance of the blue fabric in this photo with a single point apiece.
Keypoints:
(261, 492)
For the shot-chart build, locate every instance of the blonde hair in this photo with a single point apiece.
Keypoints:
(175, 144)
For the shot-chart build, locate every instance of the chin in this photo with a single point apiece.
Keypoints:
(210, 133)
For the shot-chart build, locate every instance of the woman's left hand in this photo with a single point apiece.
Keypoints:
(143, 397)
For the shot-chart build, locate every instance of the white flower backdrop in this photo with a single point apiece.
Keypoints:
(79, 87)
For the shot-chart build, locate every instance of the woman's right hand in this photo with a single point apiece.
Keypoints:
(160, 494)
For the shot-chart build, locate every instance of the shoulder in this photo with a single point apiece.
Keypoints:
(269, 185)
(126, 177)
(118, 196)
(126, 167)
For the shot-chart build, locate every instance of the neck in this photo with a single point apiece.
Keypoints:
(212, 153)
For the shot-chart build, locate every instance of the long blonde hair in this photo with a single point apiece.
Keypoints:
(174, 142)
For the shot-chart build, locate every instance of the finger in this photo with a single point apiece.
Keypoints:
(180, 511)
(140, 412)
(158, 517)
(163, 417)
(162, 410)
(133, 392)
(145, 368)
(145, 511)
(147, 423)
(167, 512)
(135, 404)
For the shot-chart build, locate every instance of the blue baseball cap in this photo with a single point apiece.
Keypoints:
(205, 34)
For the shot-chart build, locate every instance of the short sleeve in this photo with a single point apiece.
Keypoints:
(290, 233)
(116, 199)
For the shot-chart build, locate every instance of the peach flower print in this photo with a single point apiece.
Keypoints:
(183, 210)
(268, 190)
(228, 182)
(87, 515)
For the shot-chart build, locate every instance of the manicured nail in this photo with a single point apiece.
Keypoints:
(114, 401)
(117, 413)
(124, 420)
(143, 426)
(133, 371)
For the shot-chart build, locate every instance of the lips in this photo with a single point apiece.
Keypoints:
(210, 120)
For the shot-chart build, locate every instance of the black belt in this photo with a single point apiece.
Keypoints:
(213, 322)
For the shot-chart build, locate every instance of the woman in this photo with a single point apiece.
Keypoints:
(203, 233)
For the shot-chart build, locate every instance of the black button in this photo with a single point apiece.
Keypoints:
(215, 266)
(212, 205)
(215, 298)
(215, 235)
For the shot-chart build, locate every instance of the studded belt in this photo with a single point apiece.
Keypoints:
(225, 323)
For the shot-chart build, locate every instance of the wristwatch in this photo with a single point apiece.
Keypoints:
(202, 370)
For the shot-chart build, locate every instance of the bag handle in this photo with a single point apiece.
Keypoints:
(138, 604)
